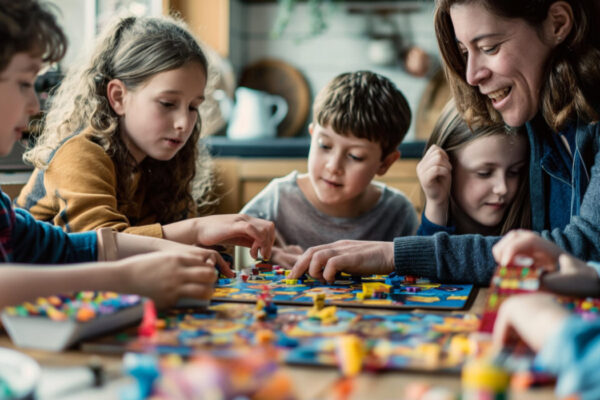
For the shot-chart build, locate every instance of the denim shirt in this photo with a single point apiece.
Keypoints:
(558, 180)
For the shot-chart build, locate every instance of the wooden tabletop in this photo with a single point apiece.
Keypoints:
(309, 383)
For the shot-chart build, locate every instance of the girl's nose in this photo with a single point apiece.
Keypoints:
(477, 71)
(185, 120)
(500, 187)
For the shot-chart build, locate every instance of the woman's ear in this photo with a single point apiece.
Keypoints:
(115, 92)
(559, 22)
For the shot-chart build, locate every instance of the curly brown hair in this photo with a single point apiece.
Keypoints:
(29, 26)
(366, 105)
(133, 50)
(572, 85)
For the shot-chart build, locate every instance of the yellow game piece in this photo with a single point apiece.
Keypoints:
(287, 272)
(291, 281)
(56, 315)
(350, 354)
(429, 353)
(482, 379)
(460, 346)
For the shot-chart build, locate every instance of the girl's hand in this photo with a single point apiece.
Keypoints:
(435, 175)
(351, 256)
(286, 256)
(234, 229)
(522, 243)
(167, 276)
(574, 278)
(531, 317)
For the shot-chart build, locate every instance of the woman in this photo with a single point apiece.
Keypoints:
(527, 62)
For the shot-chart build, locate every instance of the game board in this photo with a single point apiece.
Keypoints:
(385, 292)
(390, 341)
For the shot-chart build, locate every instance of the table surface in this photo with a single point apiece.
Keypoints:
(309, 383)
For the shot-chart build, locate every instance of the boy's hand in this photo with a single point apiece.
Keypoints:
(351, 256)
(234, 229)
(167, 276)
(435, 175)
(529, 244)
(532, 317)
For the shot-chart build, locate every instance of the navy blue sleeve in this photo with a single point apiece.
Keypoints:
(42, 243)
(428, 228)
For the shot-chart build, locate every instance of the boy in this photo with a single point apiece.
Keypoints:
(359, 120)
(30, 37)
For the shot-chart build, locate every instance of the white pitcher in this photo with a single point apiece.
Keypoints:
(255, 115)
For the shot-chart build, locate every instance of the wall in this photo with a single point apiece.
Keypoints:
(341, 48)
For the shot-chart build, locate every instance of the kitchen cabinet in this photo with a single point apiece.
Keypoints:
(240, 179)
(208, 19)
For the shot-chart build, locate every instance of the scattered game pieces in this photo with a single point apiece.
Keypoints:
(393, 292)
(227, 330)
(57, 322)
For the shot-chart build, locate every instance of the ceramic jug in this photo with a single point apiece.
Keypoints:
(255, 114)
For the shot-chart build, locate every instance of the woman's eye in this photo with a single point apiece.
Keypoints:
(490, 49)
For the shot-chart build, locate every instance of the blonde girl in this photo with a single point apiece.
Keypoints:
(120, 146)
(474, 179)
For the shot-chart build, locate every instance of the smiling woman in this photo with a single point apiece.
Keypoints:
(522, 62)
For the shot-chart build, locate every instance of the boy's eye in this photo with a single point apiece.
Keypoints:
(25, 85)
(324, 146)
(167, 104)
(355, 158)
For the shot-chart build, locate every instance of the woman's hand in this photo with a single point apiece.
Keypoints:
(522, 243)
(166, 276)
(435, 175)
(531, 317)
(233, 229)
(351, 256)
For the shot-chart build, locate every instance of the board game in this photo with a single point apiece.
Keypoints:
(307, 336)
(386, 292)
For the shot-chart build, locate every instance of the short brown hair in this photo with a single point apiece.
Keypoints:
(572, 83)
(29, 26)
(366, 105)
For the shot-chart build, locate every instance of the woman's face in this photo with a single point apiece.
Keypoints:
(505, 59)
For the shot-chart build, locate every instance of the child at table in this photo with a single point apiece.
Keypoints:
(31, 37)
(567, 344)
(474, 178)
(360, 118)
(120, 146)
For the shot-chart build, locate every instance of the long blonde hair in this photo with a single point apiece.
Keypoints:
(452, 133)
(132, 50)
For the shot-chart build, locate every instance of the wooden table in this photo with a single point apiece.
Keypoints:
(310, 383)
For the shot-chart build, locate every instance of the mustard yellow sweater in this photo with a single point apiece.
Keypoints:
(78, 192)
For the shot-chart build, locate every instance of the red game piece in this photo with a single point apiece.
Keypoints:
(148, 326)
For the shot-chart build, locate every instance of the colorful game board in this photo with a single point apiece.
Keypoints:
(390, 341)
(386, 292)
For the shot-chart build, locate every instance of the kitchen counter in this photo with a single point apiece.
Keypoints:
(296, 147)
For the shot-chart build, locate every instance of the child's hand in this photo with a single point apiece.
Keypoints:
(286, 256)
(351, 256)
(529, 244)
(235, 229)
(435, 175)
(575, 278)
(532, 317)
(167, 276)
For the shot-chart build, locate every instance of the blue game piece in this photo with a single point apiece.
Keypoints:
(144, 368)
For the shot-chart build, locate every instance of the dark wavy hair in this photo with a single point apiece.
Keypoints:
(572, 85)
(133, 50)
(28, 26)
(366, 105)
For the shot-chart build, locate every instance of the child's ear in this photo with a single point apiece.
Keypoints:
(388, 161)
(311, 128)
(115, 92)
